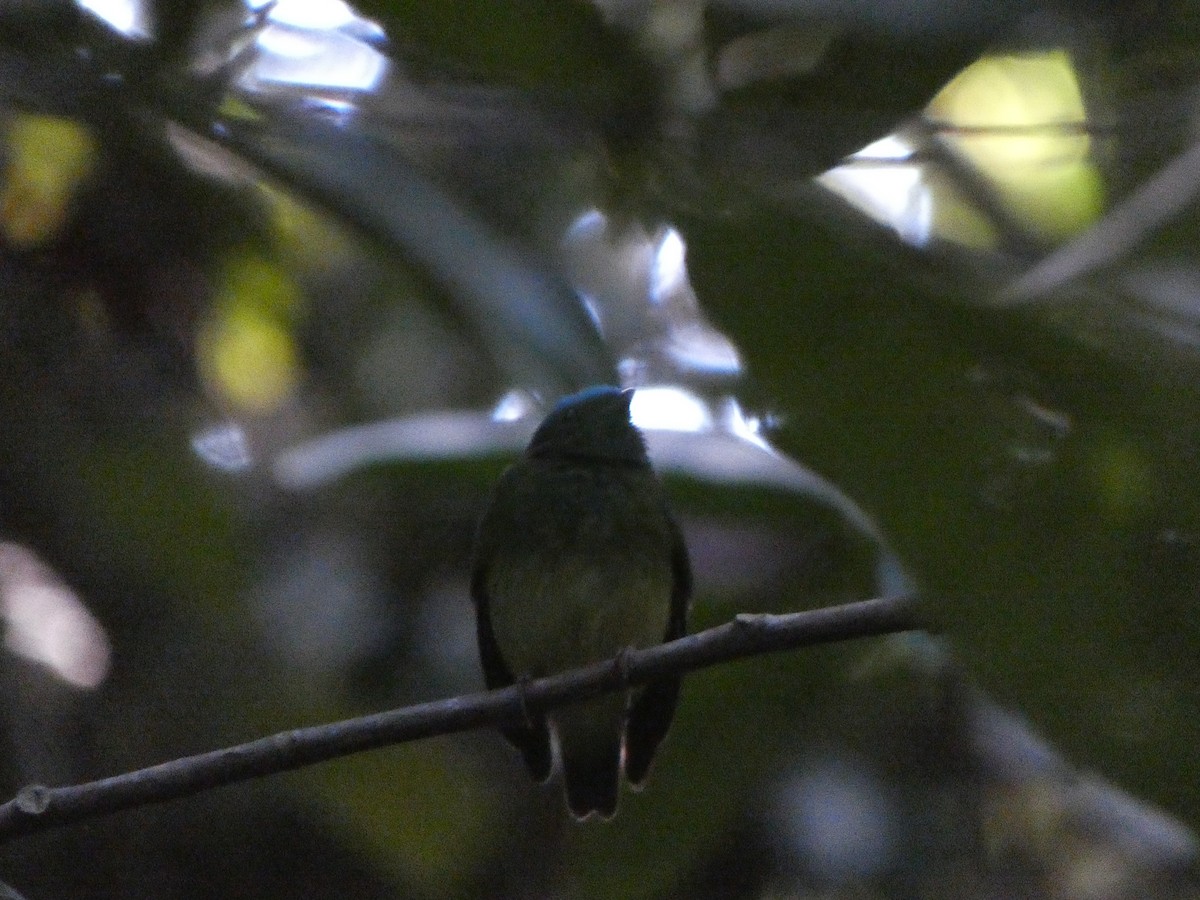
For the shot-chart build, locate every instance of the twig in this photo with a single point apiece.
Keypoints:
(37, 808)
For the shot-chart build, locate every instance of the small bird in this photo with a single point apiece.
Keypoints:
(577, 559)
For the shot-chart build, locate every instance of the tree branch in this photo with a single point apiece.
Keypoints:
(37, 808)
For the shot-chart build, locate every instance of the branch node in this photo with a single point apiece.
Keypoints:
(752, 621)
(33, 799)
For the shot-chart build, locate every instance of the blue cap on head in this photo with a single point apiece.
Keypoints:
(592, 424)
(594, 392)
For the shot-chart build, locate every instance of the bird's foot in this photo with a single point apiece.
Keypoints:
(520, 684)
(621, 666)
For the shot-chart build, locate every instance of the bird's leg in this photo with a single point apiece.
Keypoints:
(621, 666)
(521, 683)
(532, 738)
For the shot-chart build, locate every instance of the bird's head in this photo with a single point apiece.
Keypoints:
(591, 425)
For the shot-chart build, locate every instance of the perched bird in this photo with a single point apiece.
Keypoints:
(577, 559)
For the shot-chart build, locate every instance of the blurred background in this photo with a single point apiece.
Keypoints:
(910, 292)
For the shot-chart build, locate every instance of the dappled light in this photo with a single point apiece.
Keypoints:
(49, 158)
(224, 446)
(131, 18)
(634, 284)
(318, 50)
(46, 623)
(669, 408)
(1019, 121)
(886, 183)
(248, 359)
(841, 819)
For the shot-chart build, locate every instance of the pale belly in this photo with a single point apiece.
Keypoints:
(579, 565)
(554, 612)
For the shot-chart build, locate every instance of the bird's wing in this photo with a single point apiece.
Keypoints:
(495, 670)
(533, 738)
(651, 714)
(681, 586)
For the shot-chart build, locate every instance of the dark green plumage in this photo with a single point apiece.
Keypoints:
(577, 559)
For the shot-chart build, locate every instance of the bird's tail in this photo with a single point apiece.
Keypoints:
(589, 737)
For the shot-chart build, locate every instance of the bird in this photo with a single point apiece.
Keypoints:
(578, 558)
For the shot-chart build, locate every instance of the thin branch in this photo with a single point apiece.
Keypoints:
(37, 808)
